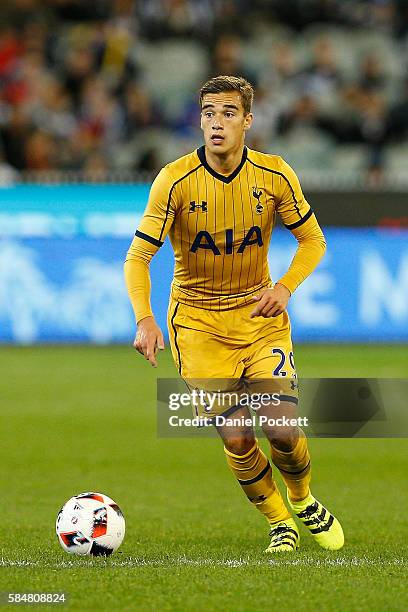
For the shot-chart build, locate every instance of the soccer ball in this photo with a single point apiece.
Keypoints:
(90, 524)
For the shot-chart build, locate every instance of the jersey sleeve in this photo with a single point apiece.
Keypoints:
(299, 218)
(311, 248)
(149, 237)
(291, 204)
(160, 210)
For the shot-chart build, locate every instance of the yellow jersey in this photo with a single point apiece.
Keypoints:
(220, 229)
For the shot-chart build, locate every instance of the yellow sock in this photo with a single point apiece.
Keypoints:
(254, 473)
(295, 468)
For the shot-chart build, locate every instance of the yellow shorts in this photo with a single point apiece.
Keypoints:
(228, 351)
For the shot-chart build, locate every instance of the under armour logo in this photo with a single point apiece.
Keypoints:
(202, 206)
(258, 499)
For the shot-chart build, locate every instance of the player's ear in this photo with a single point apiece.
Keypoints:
(248, 121)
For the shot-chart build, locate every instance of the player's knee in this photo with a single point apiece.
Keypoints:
(239, 445)
(285, 441)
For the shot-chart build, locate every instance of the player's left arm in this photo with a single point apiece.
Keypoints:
(299, 218)
(153, 228)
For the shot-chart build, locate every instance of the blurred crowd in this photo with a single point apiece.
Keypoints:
(111, 85)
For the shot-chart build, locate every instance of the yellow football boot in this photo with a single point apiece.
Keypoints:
(323, 526)
(284, 537)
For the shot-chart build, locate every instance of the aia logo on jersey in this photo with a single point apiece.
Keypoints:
(257, 195)
(195, 207)
(204, 240)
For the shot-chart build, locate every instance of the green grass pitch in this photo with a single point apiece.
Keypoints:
(83, 418)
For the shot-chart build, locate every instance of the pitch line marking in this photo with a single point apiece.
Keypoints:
(202, 562)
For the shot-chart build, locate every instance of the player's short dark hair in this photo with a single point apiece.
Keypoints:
(223, 83)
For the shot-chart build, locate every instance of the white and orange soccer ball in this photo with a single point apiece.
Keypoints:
(90, 524)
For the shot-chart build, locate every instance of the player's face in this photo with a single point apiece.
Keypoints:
(224, 122)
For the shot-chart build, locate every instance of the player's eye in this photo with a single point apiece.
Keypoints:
(208, 114)
(229, 115)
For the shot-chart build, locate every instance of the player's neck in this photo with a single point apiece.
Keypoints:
(226, 163)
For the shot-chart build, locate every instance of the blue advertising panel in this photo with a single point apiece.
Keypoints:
(61, 272)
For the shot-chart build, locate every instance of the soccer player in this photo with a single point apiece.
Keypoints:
(226, 319)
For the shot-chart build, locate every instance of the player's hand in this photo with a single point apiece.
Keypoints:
(271, 302)
(149, 339)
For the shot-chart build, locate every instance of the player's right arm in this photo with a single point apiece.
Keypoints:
(149, 237)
